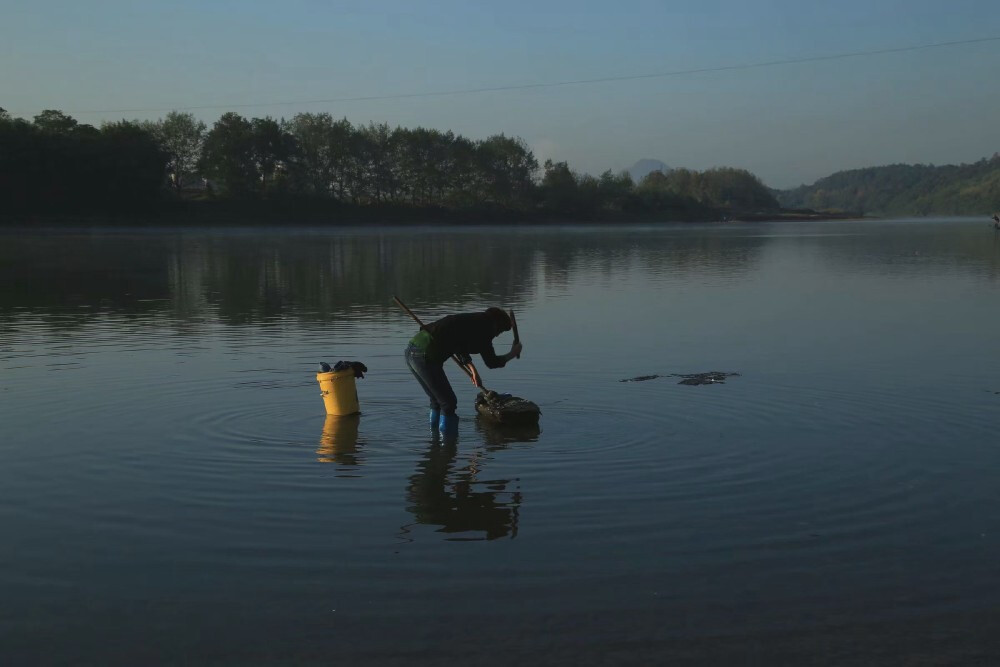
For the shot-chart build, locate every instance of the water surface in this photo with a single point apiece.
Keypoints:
(172, 492)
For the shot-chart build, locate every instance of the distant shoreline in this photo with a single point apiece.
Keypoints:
(802, 215)
(300, 213)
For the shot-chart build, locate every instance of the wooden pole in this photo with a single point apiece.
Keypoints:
(454, 358)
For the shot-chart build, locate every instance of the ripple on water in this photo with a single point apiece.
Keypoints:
(781, 472)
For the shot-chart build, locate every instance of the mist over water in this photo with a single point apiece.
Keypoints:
(172, 490)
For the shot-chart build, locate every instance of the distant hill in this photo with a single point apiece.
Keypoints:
(902, 189)
(640, 169)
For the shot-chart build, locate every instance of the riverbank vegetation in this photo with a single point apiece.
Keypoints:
(317, 168)
(904, 189)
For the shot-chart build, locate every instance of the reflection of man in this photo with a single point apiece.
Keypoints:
(996, 221)
(456, 507)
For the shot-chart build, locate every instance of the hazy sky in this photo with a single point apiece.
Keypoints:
(789, 123)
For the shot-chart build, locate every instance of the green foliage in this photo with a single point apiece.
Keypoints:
(228, 155)
(377, 164)
(131, 163)
(505, 168)
(616, 191)
(314, 159)
(181, 137)
(246, 157)
(376, 175)
(322, 161)
(735, 189)
(55, 122)
(723, 187)
(659, 192)
(560, 187)
(900, 189)
(271, 148)
(56, 165)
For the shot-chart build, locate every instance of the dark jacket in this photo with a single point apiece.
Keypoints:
(464, 335)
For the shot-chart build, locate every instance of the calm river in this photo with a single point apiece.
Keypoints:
(171, 491)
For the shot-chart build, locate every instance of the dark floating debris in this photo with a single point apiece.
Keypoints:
(641, 378)
(712, 377)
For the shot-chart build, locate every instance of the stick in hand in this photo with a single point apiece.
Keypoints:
(470, 370)
(513, 325)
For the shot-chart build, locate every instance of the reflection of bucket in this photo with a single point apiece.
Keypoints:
(339, 391)
(339, 442)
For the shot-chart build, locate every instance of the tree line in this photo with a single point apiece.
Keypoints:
(904, 189)
(56, 164)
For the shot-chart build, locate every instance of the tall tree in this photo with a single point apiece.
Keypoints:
(376, 144)
(131, 164)
(228, 155)
(459, 178)
(506, 168)
(559, 188)
(321, 162)
(617, 191)
(310, 166)
(181, 136)
(271, 149)
(55, 122)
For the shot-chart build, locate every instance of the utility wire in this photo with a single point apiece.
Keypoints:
(556, 84)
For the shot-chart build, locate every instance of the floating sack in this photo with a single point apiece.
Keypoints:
(507, 409)
(712, 377)
(640, 378)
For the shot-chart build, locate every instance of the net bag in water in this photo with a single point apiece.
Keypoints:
(507, 409)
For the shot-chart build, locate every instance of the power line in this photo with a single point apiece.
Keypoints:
(556, 84)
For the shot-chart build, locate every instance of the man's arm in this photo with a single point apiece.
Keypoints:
(491, 359)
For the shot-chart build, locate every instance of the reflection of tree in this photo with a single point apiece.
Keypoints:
(64, 273)
(240, 277)
(683, 253)
(323, 277)
(457, 500)
(911, 249)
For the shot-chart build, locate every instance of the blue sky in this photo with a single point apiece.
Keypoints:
(789, 124)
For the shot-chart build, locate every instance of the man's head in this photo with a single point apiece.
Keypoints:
(500, 319)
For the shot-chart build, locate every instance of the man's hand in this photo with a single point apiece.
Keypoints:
(476, 380)
(515, 350)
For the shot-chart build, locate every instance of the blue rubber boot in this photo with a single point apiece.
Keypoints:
(435, 417)
(448, 424)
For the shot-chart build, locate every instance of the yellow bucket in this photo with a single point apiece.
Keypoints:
(339, 392)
